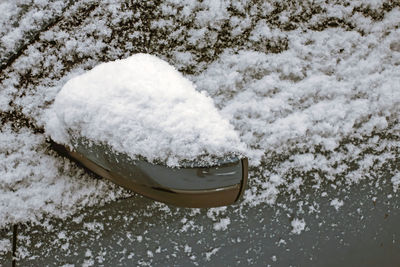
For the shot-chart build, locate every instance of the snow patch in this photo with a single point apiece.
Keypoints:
(5, 246)
(395, 181)
(336, 203)
(35, 182)
(142, 106)
(298, 225)
(211, 253)
(222, 224)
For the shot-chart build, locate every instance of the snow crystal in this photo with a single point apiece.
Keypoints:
(187, 249)
(298, 225)
(222, 224)
(5, 246)
(211, 253)
(88, 253)
(142, 106)
(336, 203)
(88, 262)
(396, 181)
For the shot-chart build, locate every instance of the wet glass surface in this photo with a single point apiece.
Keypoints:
(137, 231)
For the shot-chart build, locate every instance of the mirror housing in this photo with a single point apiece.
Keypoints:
(189, 186)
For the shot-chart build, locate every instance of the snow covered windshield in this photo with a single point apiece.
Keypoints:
(142, 106)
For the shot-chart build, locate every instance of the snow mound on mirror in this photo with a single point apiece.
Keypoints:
(143, 107)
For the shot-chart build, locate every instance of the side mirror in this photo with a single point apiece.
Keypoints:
(137, 121)
(189, 186)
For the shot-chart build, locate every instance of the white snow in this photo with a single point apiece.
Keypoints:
(298, 226)
(5, 246)
(325, 109)
(211, 253)
(142, 106)
(222, 224)
(396, 181)
(150, 254)
(188, 249)
(337, 203)
(12, 34)
(34, 182)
